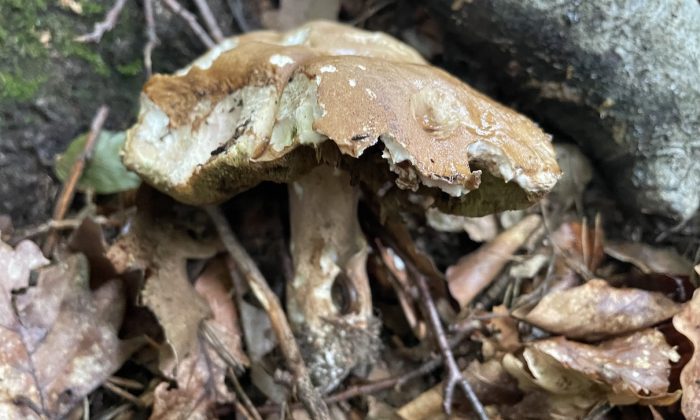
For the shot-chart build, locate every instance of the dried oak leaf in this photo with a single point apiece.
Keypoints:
(687, 322)
(568, 378)
(160, 249)
(596, 310)
(201, 375)
(649, 259)
(58, 339)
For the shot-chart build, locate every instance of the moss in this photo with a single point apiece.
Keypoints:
(86, 53)
(91, 8)
(134, 68)
(18, 88)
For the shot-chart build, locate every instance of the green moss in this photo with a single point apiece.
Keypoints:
(133, 68)
(86, 53)
(91, 8)
(17, 88)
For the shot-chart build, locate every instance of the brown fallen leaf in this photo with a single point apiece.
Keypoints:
(17, 263)
(687, 322)
(569, 378)
(490, 382)
(649, 259)
(634, 368)
(474, 272)
(160, 249)
(58, 339)
(596, 310)
(201, 374)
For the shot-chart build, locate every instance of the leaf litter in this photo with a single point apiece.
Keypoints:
(545, 319)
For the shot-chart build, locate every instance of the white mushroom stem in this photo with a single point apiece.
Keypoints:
(327, 246)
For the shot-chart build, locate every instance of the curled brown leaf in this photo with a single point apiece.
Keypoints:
(687, 322)
(596, 310)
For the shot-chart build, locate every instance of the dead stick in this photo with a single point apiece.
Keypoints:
(209, 20)
(308, 395)
(150, 35)
(454, 375)
(371, 387)
(68, 189)
(105, 25)
(191, 20)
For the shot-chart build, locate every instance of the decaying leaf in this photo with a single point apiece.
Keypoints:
(58, 339)
(471, 274)
(648, 258)
(104, 172)
(569, 377)
(201, 375)
(596, 310)
(491, 384)
(634, 368)
(687, 322)
(160, 249)
(17, 263)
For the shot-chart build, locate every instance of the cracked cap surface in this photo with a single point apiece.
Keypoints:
(255, 107)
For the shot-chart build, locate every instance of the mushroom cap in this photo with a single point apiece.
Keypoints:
(256, 107)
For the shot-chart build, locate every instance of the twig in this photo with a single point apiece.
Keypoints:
(371, 387)
(236, 7)
(122, 393)
(382, 384)
(150, 35)
(454, 375)
(209, 20)
(307, 394)
(68, 190)
(105, 25)
(191, 20)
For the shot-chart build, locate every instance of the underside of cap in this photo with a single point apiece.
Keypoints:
(260, 110)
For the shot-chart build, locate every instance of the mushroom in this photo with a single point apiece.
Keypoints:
(317, 108)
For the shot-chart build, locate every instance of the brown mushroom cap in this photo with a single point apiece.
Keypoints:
(243, 115)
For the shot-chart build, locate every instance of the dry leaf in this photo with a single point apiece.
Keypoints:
(506, 329)
(161, 249)
(565, 379)
(58, 339)
(491, 384)
(648, 258)
(687, 322)
(583, 247)
(474, 272)
(596, 310)
(634, 368)
(15, 264)
(201, 375)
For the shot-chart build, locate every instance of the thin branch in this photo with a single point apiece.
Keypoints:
(191, 20)
(307, 394)
(454, 375)
(68, 190)
(209, 20)
(236, 7)
(105, 25)
(150, 35)
(371, 387)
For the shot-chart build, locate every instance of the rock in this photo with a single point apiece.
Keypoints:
(620, 77)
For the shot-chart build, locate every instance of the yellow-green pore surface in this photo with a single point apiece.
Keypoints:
(269, 106)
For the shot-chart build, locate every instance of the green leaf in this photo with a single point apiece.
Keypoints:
(104, 172)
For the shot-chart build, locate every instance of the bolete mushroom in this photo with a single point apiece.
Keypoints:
(315, 107)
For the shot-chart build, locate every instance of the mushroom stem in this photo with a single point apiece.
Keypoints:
(329, 301)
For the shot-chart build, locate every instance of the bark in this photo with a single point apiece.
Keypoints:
(620, 77)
